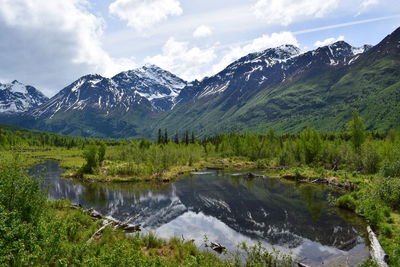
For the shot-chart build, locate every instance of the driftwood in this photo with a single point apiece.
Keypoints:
(31, 149)
(377, 252)
(251, 175)
(109, 221)
(214, 168)
(98, 232)
(217, 247)
(348, 244)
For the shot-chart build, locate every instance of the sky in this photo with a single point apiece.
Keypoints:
(50, 44)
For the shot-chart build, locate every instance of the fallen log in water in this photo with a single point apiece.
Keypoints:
(217, 247)
(251, 175)
(377, 252)
(348, 244)
(109, 221)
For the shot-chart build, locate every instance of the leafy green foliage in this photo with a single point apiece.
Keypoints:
(357, 131)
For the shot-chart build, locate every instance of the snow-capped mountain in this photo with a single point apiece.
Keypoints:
(91, 91)
(149, 86)
(257, 71)
(249, 73)
(16, 97)
(159, 86)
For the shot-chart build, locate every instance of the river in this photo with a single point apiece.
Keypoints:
(227, 208)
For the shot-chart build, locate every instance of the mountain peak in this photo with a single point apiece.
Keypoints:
(150, 66)
(17, 97)
(159, 86)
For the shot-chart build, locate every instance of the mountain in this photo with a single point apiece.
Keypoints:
(16, 97)
(281, 89)
(91, 106)
(218, 103)
(91, 92)
(268, 68)
(97, 106)
(158, 86)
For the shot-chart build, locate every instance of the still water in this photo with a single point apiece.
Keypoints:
(229, 209)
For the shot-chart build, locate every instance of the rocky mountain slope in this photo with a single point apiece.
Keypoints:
(16, 97)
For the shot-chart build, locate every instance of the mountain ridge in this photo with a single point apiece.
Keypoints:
(281, 88)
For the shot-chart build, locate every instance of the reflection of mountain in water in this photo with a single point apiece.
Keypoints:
(279, 213)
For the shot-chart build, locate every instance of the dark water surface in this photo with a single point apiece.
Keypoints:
(293, 218)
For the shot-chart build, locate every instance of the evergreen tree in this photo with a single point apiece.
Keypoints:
(166, 140)
(186, 137)
(160, 137)
(176, 140)
(193, 140)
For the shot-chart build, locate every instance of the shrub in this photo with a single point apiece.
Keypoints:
(92, 160)
(346, 202)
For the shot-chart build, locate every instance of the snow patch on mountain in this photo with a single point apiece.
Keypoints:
(16, 97)
(158, 86)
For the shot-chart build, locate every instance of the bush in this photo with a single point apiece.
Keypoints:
(22, 205)
(346, 202)
(370, 158)
(388, 190)
(391, 168)
(92, 160)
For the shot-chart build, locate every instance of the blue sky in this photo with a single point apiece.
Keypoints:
(49, 44)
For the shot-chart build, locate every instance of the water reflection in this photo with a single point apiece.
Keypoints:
(228, 209)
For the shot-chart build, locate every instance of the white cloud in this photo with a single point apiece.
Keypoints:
(328, 41)
(192, 62)
(143, 14)
(185, 61)
(202, 31)
(285, 12)
(368, 3)
(51, 43)
(259, 44)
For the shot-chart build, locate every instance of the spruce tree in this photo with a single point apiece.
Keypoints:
(176, 140)
(187, 137)
(193, 140)
(160, 137)
(165, 137)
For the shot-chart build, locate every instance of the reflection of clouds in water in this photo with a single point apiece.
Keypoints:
(195, 225)
(227, 213)
(155, 218)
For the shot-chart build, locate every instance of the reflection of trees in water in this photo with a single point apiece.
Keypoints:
(312, 196)
(95, 196)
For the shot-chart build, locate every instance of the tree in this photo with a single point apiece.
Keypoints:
(357, 131)
(176, 139)
(186, 138)
(193, 139)
(92, 160)
(166, 140)
(102, 153)
(160, 137)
